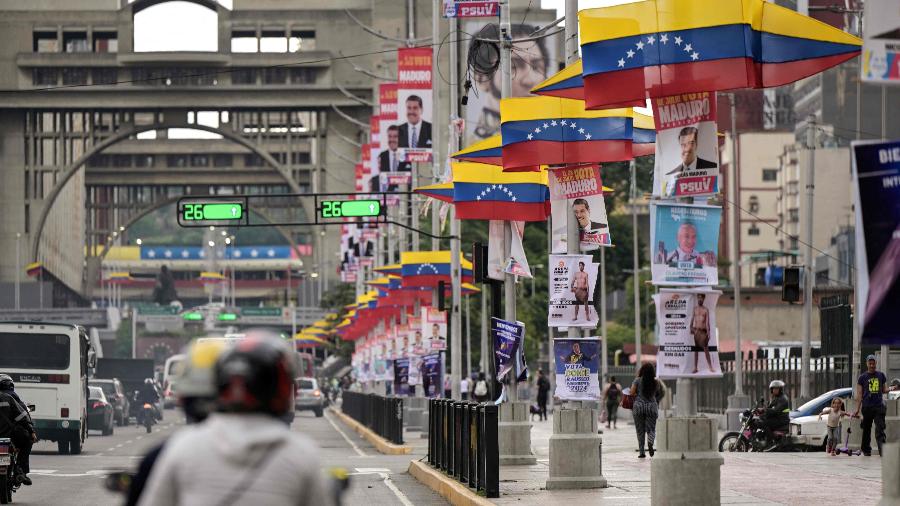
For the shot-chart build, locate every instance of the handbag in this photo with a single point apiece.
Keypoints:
(628, 401)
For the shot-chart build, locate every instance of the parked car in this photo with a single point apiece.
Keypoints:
(309, 397)
(115, 394)
(806, 428)
(100, 411)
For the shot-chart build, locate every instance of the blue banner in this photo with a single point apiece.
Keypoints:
(507, 337)
(577, 368)
(876, 167)
(432, 374)
(401, 376)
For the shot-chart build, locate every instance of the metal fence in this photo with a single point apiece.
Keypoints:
(463, 442)
(384, 415)
(826, 373)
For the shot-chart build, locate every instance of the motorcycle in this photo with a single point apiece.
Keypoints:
(754, 436)
(8, 481)
(147, 416)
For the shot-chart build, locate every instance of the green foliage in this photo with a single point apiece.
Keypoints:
(625, 316)
(337, 297)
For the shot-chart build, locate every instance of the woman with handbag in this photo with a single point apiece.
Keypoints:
(646, 392)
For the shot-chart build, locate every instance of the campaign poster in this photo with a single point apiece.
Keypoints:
(393, 171)
(572, 281)
(349, 258)
(496, 248)
(401, 342)
(415, 371)
(434, 326)
(532, 60)
(577, 368)
(576, 193)
(401, 376)
(876, 170)
(685, 241)
(517, 263)
(414, 103)
(508, 338)
(687, 146)
(881, 42)
(688, 341)
(432, 374)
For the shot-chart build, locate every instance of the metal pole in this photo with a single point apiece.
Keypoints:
(233, 271)
(604, 344)
(455, 268)
(134, 316)
(734, 254)
(437, 125)
(468, 337)
(485, 365)
(808, 258)
(18, 272)
(636, 268)
(573, 240)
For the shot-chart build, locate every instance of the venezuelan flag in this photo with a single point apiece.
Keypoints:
(658, 48)
(427, 268)
(557, 131)
(569, 83)
(486, 192)
(488, 151)
(388, 269)
(440, 191)
(643, 135)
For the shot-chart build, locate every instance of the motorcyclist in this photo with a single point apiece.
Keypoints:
(776, 415)
(244, 454)
(148, 394)
(16, 424)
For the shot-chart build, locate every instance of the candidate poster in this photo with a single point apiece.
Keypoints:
(685, 241)
(393, 171)
(572, 281)
(881, 42)
(415, 371)
(432, 374)
(688, 341)
(876, 169)
(517, 263)
(496, 247)
(576, 193)
(417, 345)
(577, 368)
(434, 325)
(687, 149)
(414, 103)
(401, 376)
(401, 341)
(507, 338)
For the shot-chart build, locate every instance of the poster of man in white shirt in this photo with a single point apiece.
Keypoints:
(687, 239)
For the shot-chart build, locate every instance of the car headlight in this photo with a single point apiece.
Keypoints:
(795, 429)
(743, 418)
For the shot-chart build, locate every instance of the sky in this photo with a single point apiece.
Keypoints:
(560, 5)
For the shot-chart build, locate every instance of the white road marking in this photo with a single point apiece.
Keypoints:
(119, 446)
(111, 449)
(347, 439)
(386, 477)
(139, 438)
(129, 442)
(53, 472)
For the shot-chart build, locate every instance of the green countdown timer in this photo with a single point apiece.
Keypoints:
(200, 211)
(350, 208)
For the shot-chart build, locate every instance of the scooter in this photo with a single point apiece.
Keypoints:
(846, 449)
(8, 481)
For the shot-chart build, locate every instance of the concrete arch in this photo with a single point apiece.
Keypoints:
(132, 130)
(139, 5)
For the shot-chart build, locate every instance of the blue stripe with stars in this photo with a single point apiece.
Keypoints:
(701, 45)
(567, 130)
(524, 193)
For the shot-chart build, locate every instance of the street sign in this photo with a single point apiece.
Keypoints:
(201, 212)
(350, 208)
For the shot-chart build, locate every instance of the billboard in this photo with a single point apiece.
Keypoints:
(685, 242)
(881, 42)
(434, 327)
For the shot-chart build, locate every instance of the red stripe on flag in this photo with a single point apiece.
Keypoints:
(490, 160)
(778, 74)
(643, 149)
(523, 154)
(507, 211)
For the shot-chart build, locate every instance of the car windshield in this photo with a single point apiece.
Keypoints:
(305, 384)
(96, 393)
(811, 405)
(108, 388)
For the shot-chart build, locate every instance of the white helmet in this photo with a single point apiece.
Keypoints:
(776, 384)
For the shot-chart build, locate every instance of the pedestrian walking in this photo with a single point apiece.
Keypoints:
(464, 388)
(543, 390)
(869, 388)
(447, 387)
(481, 388)
(611, 396)
(647, 392)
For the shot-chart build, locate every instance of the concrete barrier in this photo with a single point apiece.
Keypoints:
(416, 416)
(890, 475)
(686, 469)
(575, 450)
(515, 435)
(453, 491)
(382, 445)
(892, 421)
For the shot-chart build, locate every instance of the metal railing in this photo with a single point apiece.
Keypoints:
(463, 442)
(384, 415)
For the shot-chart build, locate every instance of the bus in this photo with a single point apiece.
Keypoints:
(49, 363)
(171, 372)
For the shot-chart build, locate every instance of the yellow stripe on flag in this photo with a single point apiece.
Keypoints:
(471, 172)
(571, 70)
(549, 108)
(491, 142)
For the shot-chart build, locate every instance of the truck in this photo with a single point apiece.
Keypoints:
(130, 371)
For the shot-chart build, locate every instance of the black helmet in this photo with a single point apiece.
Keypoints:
(6, 382)
(256, 376)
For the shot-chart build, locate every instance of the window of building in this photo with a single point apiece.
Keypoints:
(302, 40)
(301, 158)
(106, 42)
(143, 160)
(793, 215)
(45, 77)
(104, 75)
(222, 160)
(273, 41)
(276, 75)
(199, 160)
(753, 230)
(121, 161)
(46, 42)
(99, 161)
(176, 26)
(177, 160)
(74, 75)
(770, 174)
(244, 76)
(754, 204)
(244, 41)
(253, 160)
(302, 75)
(76, 42)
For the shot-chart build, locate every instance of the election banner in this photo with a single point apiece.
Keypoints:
(496, 247)
(881, 42)
(417, 345)
(414, 114)
(381, 371)
(471, 8)
(517, 263)
(688, 340)
(577, 368)
(576, 192)
(401, 376)
(687, 149)
(434, 324)
(685, 241)
(572, 281)
(507, 338)
(415, 372)
(432, 374)
(876, 171)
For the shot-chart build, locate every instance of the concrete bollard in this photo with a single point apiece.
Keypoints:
(890, 475)
(515, 434)
(686, 469)
(416, 414)
(575, 447)
(892, 421)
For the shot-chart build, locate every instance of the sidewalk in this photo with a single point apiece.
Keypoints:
(747, 478)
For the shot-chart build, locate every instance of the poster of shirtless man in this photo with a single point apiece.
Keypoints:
(700, 330)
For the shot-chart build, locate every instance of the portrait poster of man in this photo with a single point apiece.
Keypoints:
(532, 62)
(507, 338)
(577, 368)
(577, 193)
(401, 341)
(414, 99)
(391, 166)
(688, 341)
(374, 146)
(572, 281)
(685, 241)
(876, 170)
(687, 152)
(434, 326)
(432, 374)
(417, 345)
(401, 376)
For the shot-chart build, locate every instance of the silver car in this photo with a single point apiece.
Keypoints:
(309, 397)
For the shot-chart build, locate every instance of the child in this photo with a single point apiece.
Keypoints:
(835, 412)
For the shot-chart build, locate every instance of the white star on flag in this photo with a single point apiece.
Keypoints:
(587, 137)
(530, 136)
(581, 130)
(553, 122)
(630, 53)
(168, 254)
(237, 254)
(271, 253)
(651, 39)
(640, 45)
(202, 254)
(621, 64)
(677, 40)
(563, 122)
(494, 187)
(478, 197)
(151, 253)
(664, 38)
(184, 253)
(513, 199)
(537, 130)
(695, 55)
(688, 48)
(254, 253)
(573, 126)
(546, 126)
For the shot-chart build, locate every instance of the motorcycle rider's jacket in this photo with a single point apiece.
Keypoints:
(778, 411)
(13, 414)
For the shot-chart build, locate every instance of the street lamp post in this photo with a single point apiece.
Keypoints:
(18, 272)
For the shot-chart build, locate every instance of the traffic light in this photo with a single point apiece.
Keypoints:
(479, 262)
(790, 287)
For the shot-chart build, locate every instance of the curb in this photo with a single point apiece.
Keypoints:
(448, 488)
(380, 444)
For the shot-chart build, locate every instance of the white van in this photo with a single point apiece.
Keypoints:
(49, 363)
(171, 373)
